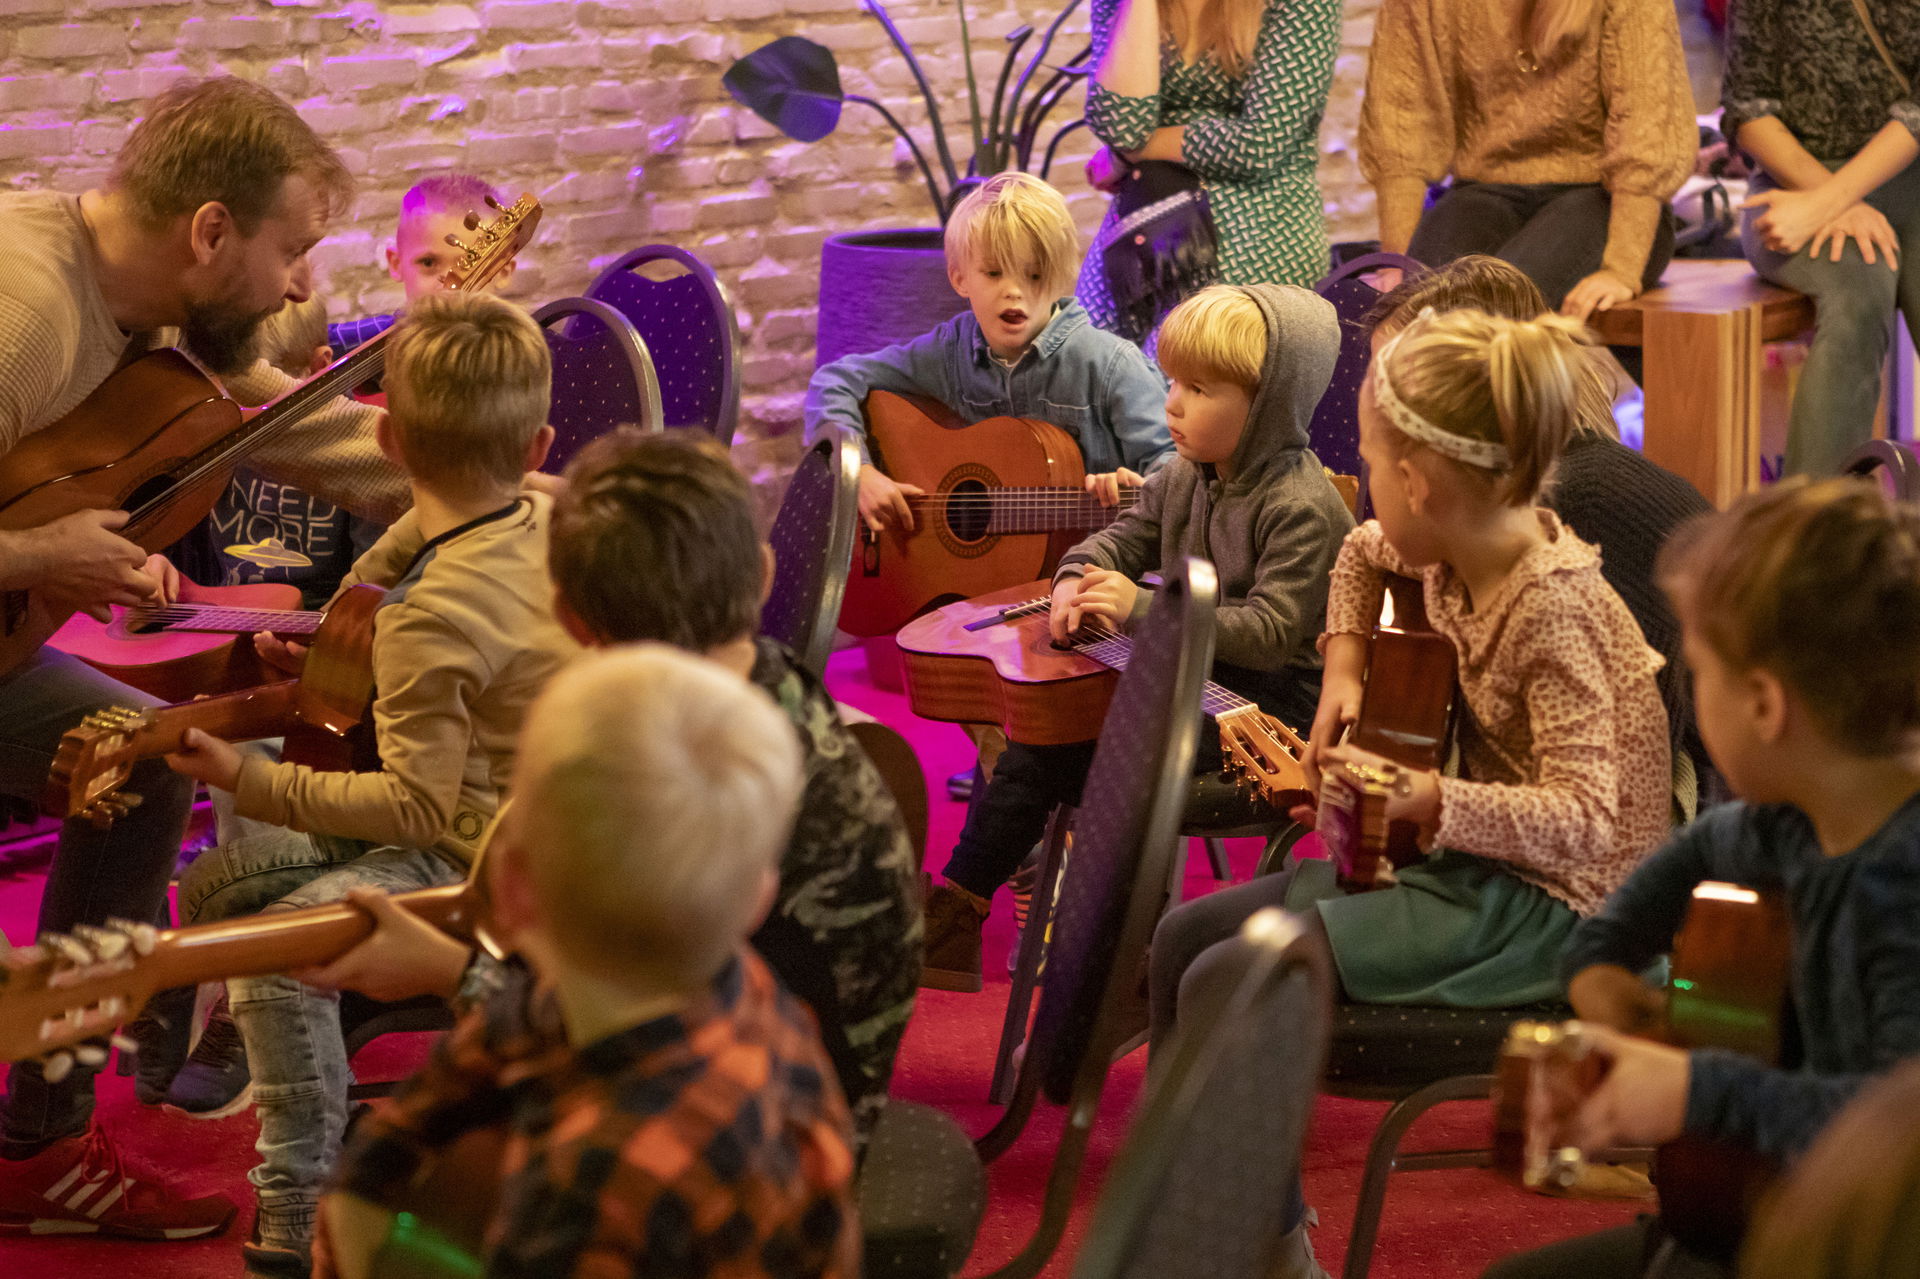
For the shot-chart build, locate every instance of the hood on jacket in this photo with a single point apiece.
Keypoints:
(1303, 345)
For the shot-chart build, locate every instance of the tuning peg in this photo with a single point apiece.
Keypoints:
(455, 242)
(143, 936)
(471, 221)
(108, 944)
(65, 947)
(493, 203)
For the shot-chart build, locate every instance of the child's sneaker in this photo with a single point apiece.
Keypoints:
(954, 918)
(81, 1185)
(216, 1081)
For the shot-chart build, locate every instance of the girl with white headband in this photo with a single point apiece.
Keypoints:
(1564, 779)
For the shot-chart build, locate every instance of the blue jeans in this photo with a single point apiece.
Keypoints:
(97, 875)
(292, 1031)
(1854, 304)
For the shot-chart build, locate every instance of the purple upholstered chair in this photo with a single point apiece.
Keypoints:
(687, 321)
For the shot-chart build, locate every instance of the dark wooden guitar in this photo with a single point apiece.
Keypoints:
(1406, 716)
(181, 650)
(322, 714)
(1728, 989)
(1004, 501)
(992, 661)
(159, 439)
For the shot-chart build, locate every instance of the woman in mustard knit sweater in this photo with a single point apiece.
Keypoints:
(1565, 125)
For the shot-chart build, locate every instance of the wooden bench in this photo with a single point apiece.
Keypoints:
(1701, 334)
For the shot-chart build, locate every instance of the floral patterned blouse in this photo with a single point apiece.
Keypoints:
(1565, 773)
(1253, 139)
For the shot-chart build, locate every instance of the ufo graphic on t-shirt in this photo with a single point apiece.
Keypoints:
(271, 553)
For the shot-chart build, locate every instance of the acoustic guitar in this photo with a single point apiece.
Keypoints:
(992, 660)
(1406, 716)
(322, 714)
(159, 439)
(1004, 501)
(1728, 989)
(176, 651)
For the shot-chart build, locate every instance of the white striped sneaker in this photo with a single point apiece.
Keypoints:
(81, 1185)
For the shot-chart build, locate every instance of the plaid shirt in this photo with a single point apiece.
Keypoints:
(706, 1142)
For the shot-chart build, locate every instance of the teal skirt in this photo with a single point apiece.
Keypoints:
(1457, 930)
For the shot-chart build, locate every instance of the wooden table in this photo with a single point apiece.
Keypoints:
(1701, 333)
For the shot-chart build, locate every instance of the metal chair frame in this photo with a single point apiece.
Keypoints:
(727, 412)
(552, 318)
(1893, 457)
(812, 644)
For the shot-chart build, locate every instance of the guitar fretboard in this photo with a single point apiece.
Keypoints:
(1113, 650)
(218, 619)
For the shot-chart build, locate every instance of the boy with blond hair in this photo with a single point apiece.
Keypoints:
(1248, 366)
(465, 640)
(667, 1103)
(1023, 348)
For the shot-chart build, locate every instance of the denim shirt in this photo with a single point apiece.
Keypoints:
(1094, 385)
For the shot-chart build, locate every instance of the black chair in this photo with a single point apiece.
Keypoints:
(683, 313)
(363, 1020)
(812, 539)
(1335, 430)
(1113, 892)
(1891, 463)
(602, 376)
(1237, 1093)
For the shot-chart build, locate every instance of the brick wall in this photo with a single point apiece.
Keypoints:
(610, 110)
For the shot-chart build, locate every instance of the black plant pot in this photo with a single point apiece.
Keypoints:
(880, 287)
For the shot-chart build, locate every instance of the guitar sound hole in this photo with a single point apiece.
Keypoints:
(968, 510)
(147, 492)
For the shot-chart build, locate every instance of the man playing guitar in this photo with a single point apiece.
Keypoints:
(203, 227)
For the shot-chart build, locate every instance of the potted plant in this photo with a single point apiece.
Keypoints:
(884, 286)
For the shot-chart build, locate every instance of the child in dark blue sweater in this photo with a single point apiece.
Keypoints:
(1800, 609)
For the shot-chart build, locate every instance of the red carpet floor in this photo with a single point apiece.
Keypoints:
(1439, 1225)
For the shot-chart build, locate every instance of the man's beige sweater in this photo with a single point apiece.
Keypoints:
(58, 342)
(1449, 92)
(465, 642)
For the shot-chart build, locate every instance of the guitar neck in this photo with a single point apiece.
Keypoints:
(1045, 510)
(221, 620)
(282, 940)
(1113, 651)
(252, 713)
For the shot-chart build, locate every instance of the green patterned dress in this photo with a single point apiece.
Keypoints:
(1254, 140)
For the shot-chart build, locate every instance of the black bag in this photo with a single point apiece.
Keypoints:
(1162, 247)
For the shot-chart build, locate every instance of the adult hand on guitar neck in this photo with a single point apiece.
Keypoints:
(1106, 487)
(206, 758)
(1608, 995)
(884, 502)
(1100, 592)
(79, 560)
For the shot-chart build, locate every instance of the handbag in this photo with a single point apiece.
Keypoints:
(1161, 248)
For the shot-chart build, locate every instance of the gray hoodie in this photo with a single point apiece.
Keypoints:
(1272, 532)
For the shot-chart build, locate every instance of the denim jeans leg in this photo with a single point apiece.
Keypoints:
(1012, 816)
(120, 872)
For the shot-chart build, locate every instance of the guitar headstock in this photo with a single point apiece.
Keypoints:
(1263, 755)
(1544, 1072)
(90, 766)
(491, 245)
(69, 988)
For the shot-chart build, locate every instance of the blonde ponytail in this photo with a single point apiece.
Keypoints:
(1555, 25)
(1522, 385)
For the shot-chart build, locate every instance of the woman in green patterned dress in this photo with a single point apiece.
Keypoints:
(1234, 90)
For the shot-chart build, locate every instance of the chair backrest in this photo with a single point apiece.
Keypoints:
(899, 767)
(1890, 463)
(602, 376)
(1237, 1094)
(1335, 431)
(812, 538)
(688, 322)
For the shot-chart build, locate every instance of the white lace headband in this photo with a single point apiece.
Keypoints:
(1484, 454)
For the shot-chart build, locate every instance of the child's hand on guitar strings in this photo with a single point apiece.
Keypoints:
(1416, 793)
(884, 502)
(161, 570)
(1608, 995)
(287, 656)
(206, 758)
(1106, 487)
(1641, 1100)
(1103, 594)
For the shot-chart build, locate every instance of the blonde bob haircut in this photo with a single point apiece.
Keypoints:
(1217, 335)
(1015, 221)
(1523, 384)
(653, 796)
(469, 381)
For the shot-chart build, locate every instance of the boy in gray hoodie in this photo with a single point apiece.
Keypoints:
(1248, 366)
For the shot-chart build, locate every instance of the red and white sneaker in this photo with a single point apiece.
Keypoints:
(82, 1185)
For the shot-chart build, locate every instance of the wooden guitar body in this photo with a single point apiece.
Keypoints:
(1009, 674)
(87, 461)
(952, 553)
(171, 665)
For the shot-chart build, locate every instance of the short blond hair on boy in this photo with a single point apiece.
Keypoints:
(1015, 221)
(655, 792)
(288, 338)
(1217, 335)
(469, 382)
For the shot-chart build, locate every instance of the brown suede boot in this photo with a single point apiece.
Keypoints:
(954, 918)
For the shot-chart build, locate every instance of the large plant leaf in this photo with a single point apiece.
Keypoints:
(793, 84)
